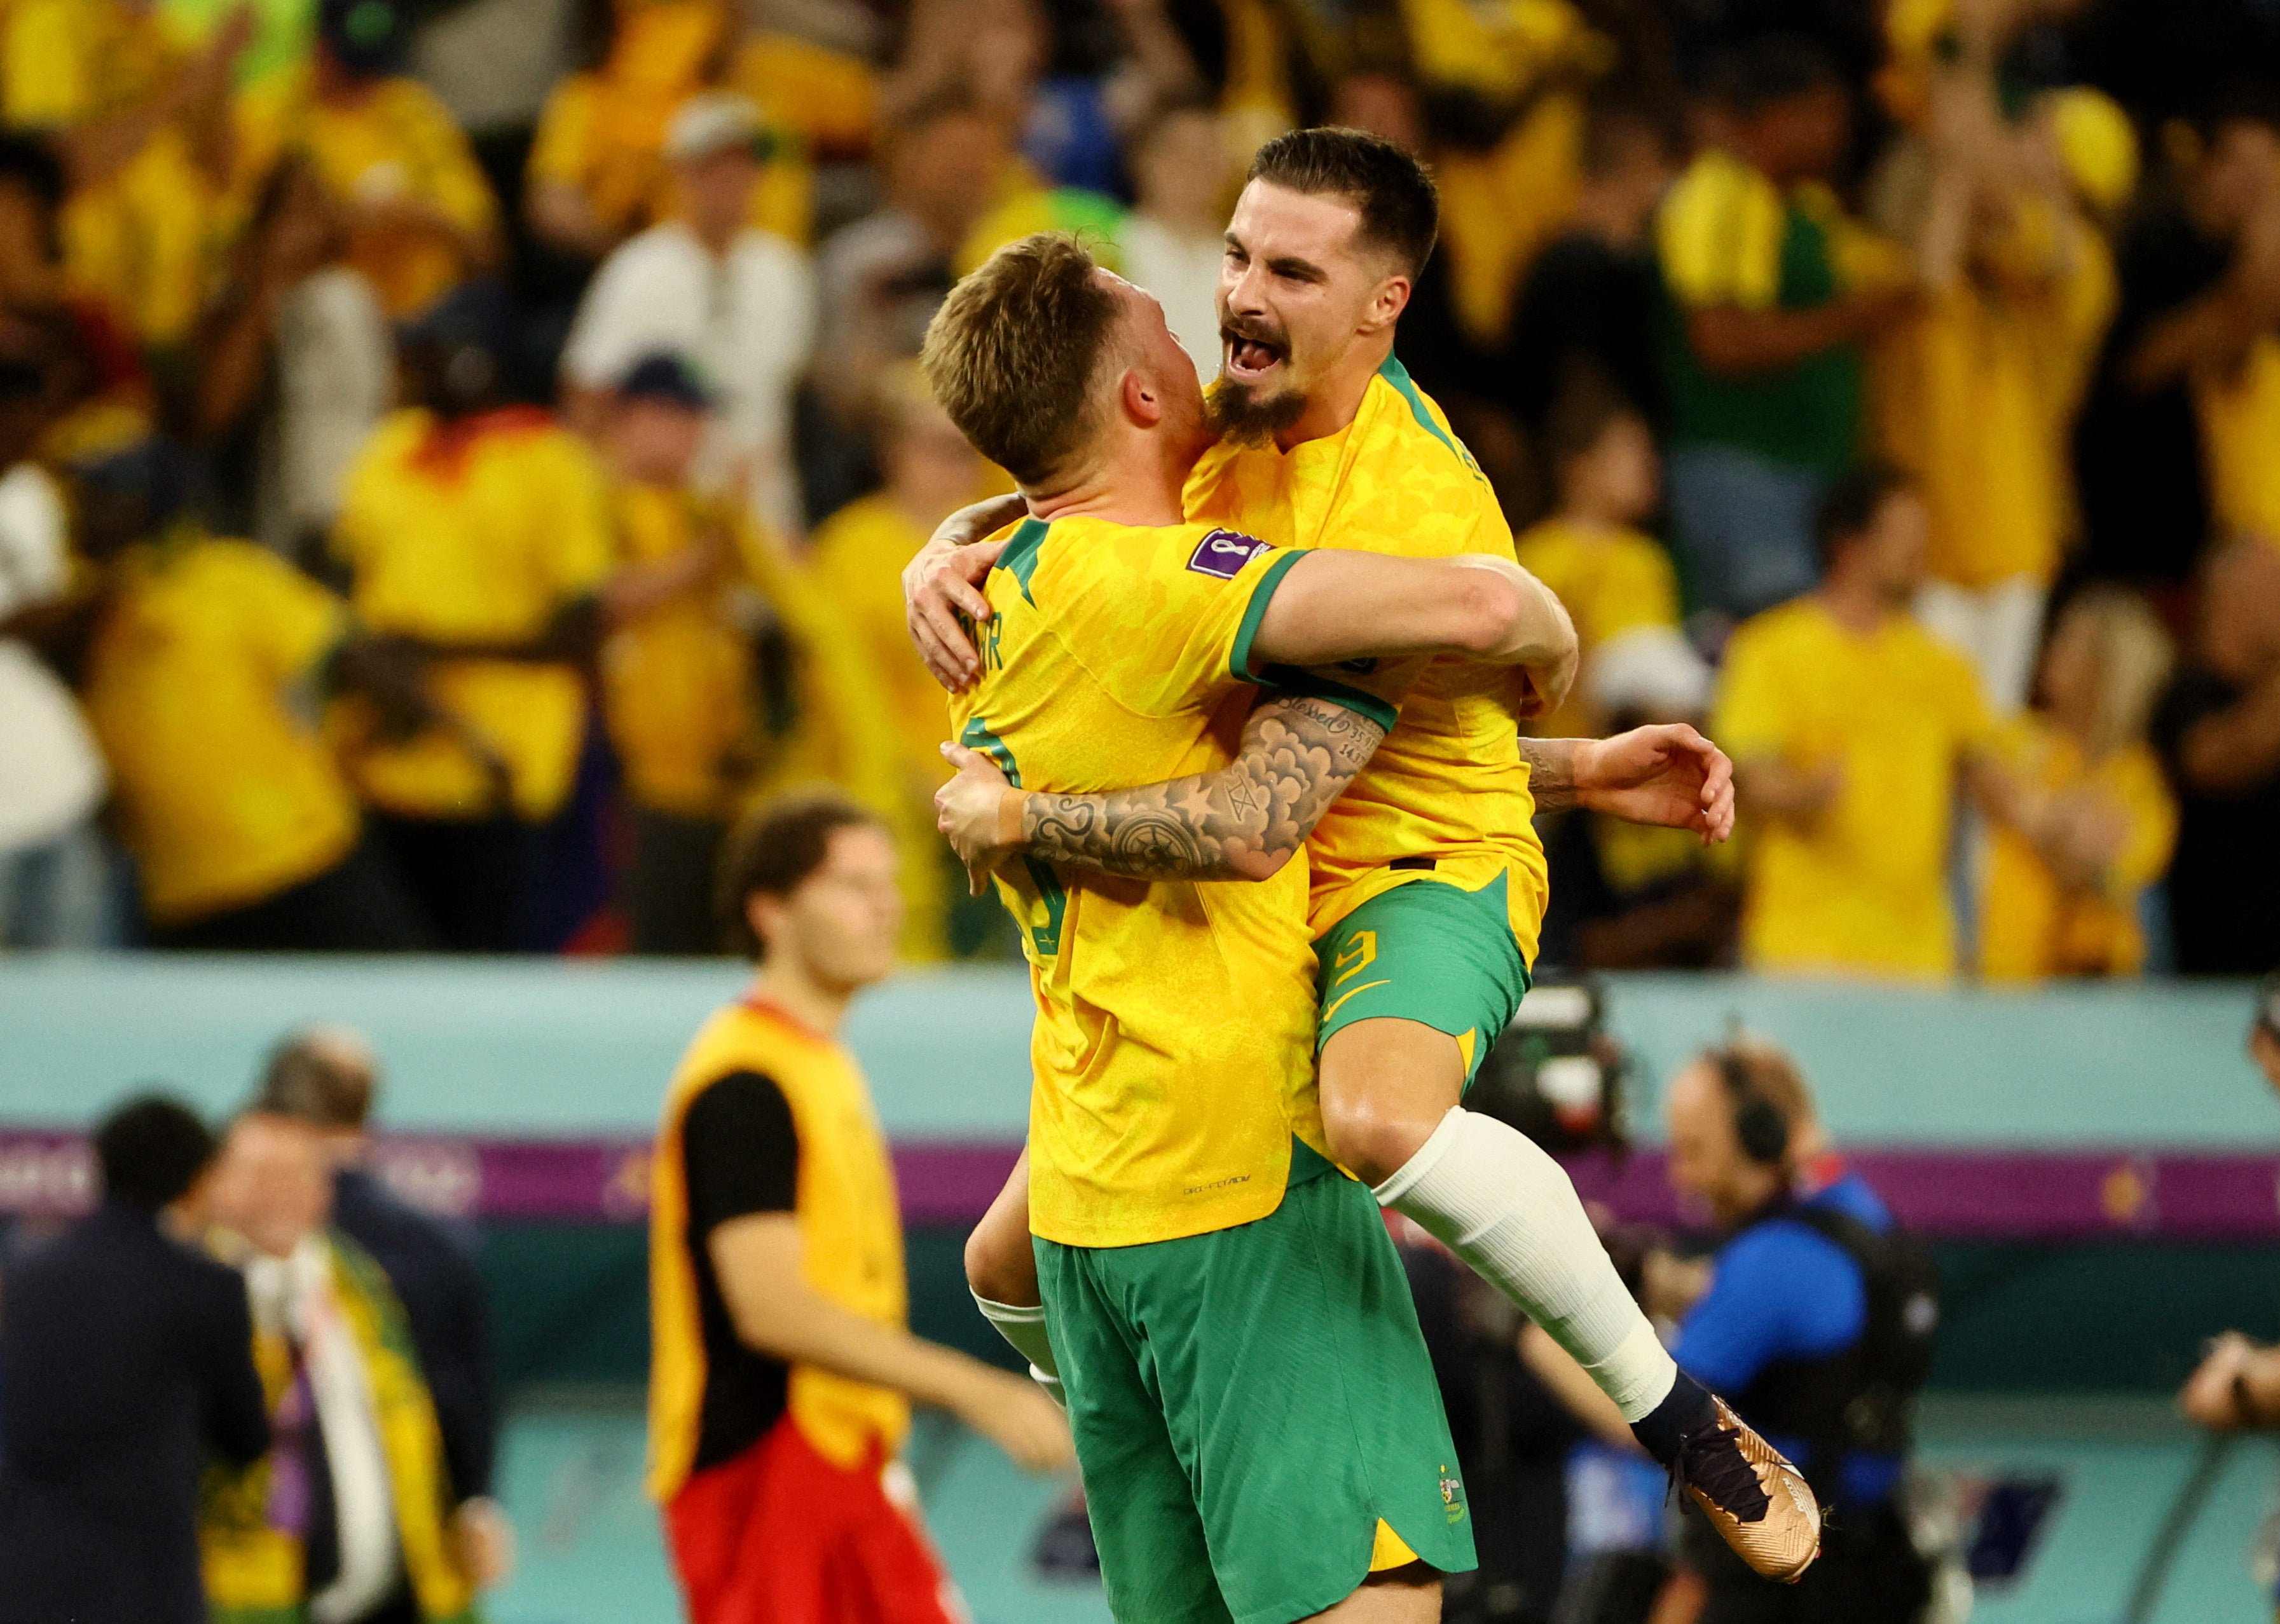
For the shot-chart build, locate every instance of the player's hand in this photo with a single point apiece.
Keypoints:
(944, 580)
(2212, 1396)
(1014, 1413)
(967, 810)
(485, 1541)
(1668, 775)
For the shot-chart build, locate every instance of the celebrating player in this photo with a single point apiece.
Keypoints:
(1428, 879)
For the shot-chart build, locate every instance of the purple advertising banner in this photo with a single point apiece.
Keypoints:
(1960, 1195)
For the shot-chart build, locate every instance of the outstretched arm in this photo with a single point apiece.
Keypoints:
(1241, 822)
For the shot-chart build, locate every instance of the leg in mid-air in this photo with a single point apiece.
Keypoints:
(1416, 984)
(1001, 1271)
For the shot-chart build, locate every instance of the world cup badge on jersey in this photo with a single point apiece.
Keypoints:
(1223, 553)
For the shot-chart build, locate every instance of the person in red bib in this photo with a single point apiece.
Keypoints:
(782, 1373)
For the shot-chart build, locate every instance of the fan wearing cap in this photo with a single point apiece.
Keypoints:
(422, 217)
(737, 303)
(1974, 396)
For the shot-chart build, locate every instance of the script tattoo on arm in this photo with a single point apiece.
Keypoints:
(1241, 822)
(1552, 772)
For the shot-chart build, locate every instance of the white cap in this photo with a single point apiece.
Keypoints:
(1650, 669)
(709, 122)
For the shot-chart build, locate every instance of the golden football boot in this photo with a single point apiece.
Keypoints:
(1758, 1503)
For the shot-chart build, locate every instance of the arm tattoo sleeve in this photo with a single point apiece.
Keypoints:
(1550, 772)
(1239, 823)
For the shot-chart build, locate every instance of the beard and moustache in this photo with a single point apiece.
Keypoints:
(1247, 413)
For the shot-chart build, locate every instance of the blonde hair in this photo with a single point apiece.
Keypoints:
(1016, 351)
(2133, 655)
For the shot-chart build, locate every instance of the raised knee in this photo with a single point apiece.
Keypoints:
(1370, 1138)
(997, 1271)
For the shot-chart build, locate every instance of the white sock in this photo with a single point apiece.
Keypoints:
(1484, 1190)
(1025, 1329)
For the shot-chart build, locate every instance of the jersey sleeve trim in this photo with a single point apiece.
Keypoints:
(1238, 659)
(1314, 685)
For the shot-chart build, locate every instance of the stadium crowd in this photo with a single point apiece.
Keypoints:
(456, 456)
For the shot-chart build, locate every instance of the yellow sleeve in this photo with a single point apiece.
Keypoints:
(293, 621)
(1719, 235)
(1749, 721)
(2143, 795)
(579, 542)
(1965, 700)
(565, 137)
(1163, 619)
(1640, 588)
(43, 81)
(442, 157)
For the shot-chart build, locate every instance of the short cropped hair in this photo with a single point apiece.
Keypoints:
(1399, 205)
(151, 1150)
(773, 849)
(305, 1082)
(1851, 504)
(1015, 353)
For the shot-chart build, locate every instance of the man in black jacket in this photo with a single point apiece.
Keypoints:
(126, 1358)
(327, 1076)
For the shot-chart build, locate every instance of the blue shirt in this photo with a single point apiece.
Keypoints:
(1785, 1291)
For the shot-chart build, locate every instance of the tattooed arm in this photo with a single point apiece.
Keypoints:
(1241, 822)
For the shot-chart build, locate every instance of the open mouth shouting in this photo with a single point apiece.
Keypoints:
(1251, 355)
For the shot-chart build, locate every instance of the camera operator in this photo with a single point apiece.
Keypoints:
(1817, 1312)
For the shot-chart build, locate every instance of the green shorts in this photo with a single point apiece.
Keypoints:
(1425, 951)
(1248, 1405)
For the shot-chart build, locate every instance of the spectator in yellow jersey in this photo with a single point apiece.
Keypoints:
(2072, 909)
(207, 658)
(1975, 397)
(421, 217)
(1851, 728)
(1771, 291)
(736, 301)
(2174, 449)
(1615, 581)
(477, 539)
(677, 668)
(598, 166)
(859, 553)
(144, 131)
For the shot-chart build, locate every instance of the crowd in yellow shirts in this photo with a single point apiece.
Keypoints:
(457, 459)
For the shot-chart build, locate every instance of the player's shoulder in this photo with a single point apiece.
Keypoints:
(1093, 560)
(1399, 414)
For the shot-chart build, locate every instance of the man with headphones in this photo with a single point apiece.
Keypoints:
(1818, 1313)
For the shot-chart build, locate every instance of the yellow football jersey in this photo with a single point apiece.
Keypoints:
(1174, 1051)
(1448, 786)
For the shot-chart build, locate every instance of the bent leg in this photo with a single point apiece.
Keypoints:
(1001, 1271)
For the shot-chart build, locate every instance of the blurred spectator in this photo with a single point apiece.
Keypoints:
(1171, 240)
(677, 669)
(737, 303)
(2175, 448)
(1615, 581)
(2218, 731)
(477, 538)
(1850, 725)
(421, 219)
(326, 1077)
(207, 660)
(859, 554)
(125, 1365)
(1589, 298)
(144, 131)
(1975, 394)
(346, 1517)
(54, 879)
(598, 168)
(2114, 822)
(880, 278)
(1772, 290)
(296, 363)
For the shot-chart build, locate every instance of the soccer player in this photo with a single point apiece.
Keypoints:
(1427, 881)
(1250, 1393)
(781, 1374)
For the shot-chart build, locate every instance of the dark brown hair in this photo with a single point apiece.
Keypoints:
(773, 850)
(1400, 208)
(1851, 506)
(1013, 353)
